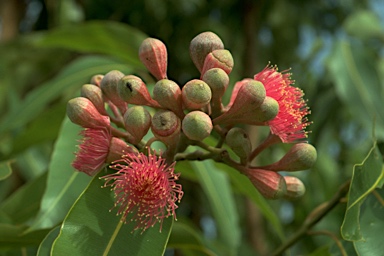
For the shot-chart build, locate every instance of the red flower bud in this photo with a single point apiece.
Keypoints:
(109, 87)
(166, 126)
(153, 54)
(96, 80)
(295, 188)
(218, 59)
(95, 95)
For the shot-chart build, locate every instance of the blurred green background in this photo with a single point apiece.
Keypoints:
(334, 49)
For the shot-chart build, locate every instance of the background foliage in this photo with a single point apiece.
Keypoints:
(335, 49)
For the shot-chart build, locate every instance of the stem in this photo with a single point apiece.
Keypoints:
(270, 140)
(334, 238)
(315, 216)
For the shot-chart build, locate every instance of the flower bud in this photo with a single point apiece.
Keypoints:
(196, 94)
(81, 111)
(95, 95)
(96, 80)
(134, 91)
(166, 126)
(270, 184)
(203, 44)
(153, 54)
(109, 87)
(168, 94)
(197, 125)
(218, 59)
(217, 80)
(117, 149)
(237, 139)
(300, 156)
(295, 188)
(137, 122)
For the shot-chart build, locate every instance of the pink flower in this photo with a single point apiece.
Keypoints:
(290, 123)
(145, 186)
(97, 148)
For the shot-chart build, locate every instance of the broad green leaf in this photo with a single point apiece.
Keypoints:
(73, 76)
(46, 245)
(372, 224)
(5, 170)
(364, 24)
(365, 178)
(13, 236)
(217, 188)
(24, 204)
(107, 37)
(358, 84)
(64, 184)
(90, 228)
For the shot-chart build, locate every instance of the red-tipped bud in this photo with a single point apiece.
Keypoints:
(202, 45)
(295, 188)
(218, 59)
(137, 122)
(197, 125)
(196, 94)
(166, 126)
(134, 91)
(237, 139)
(81, 111)
(117, 149)
(109, 85)
(95, 95)
(96, 80)
(270, 184)
(300, 156)
(153, 54)
(168, 94)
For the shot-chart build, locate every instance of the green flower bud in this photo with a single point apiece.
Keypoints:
(166, 126)
(196, 94)
(202, 45)
(197, 125)
(81, 111)
(109, 87)
(168, 94)
(153, 54)
(218, 59)
(137, 122)
(95, 95)
(300, 156)
(237, 139)
(295, 188)
(96, 80)
(217, 80)
(134, 91)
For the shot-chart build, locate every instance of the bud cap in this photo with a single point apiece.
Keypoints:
(137, 122)
(197, 125)
(196, 94)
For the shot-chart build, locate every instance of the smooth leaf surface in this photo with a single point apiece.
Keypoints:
(90, 228)
(13, 236)
(107, 37)
(46, 245)
(366, 177)
(217, 188)
(364, 24)
(64, 184)
(5, 170)
(73, 76)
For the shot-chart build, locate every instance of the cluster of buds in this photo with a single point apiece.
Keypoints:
(117, 111)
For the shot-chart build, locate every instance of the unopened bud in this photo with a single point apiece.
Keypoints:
(117, 149)
(153, 54)
(166, 126)
(218, 59)
(134, 91)
(237, 139)
(202, 45)
(270, 184)
(95, 95)
(96, 80)
(81, 111)
(168, 94)
(137, 122)
(196, 94)
(197, 125)
(300, 156)
(109, 85)
(217, 80)
(295, 188)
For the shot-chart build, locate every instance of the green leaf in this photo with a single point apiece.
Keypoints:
(46, 245)
(365, 178)
(107, 37)
(90, 228)
(73, 76)
(64, 184)
(13, 236)
(5, 170)
(363, 24)
(358, 84)
(372, 224)
(217, 188)
(24, 204)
